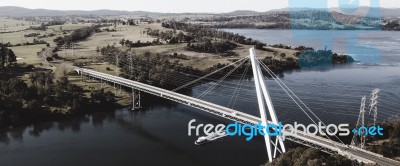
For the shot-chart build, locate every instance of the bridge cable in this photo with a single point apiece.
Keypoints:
(220, 80)
(280, 82)
(238, 87)
(196, 80)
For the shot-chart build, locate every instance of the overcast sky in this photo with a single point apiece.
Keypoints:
(178, 6)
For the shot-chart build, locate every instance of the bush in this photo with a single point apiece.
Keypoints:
(108, 69)
(219, 47)
(259, 45)
(30, 67)
(49, 59)
(55, 56)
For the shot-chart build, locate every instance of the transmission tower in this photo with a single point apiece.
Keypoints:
(72, 46)
(131, 66)
(360, 122)
(116, 71)
(373, 105)
(135, 93)
(116, 64)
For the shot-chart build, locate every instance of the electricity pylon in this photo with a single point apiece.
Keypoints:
(116, 72)
(373, 105)
(360, 122)
(131, 68)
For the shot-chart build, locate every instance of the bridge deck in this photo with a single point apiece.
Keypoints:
(321, 143)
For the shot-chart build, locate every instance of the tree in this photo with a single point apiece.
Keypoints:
(122, 42)
(180, 36)
(98, 50)
(7, 56)
(11, 57)
(259, 45)
(127, 43)
(77, 35)
(33, 78)
(33, 105)
(2, 55)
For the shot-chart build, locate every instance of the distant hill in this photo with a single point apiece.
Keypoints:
(22, 12)
(242, 13)
(13, 11)
(383, 12)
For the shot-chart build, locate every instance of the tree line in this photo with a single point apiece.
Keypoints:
(305, 156)
(46, 98)
(156, 68)
(77, 35)
(149, 68)
(391, 146)
(322, 58)
(169, 36)
(392, 25)
(128, 43)
(198, 32)
(223, 47)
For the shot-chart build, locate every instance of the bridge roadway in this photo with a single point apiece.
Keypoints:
(320, 143)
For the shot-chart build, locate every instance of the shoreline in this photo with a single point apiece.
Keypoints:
(269, 54)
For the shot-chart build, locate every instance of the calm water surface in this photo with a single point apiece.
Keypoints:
(158, 134)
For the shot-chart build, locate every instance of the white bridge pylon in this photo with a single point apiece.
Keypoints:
(264, 101)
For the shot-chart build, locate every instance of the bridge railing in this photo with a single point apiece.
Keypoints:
(321, 143)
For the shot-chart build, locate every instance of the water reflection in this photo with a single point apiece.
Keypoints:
(160, 130)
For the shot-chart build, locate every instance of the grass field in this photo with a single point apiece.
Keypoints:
(85, 51)
(88, 48)
(18, 36)
(28, 53)
(7, 24)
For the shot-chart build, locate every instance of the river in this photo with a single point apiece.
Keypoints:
(157, 135)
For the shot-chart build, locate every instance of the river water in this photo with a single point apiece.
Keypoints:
(157, 135)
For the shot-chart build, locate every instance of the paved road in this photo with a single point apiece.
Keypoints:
(47, 53)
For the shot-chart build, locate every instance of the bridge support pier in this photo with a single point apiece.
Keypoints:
(115, 90)
(318, 142)
(136, 99)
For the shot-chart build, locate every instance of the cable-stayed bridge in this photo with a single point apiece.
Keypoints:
(265, 105)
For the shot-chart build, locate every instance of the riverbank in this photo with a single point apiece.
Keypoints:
(306, 19)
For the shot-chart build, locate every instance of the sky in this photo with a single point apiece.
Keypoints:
(179, 6)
